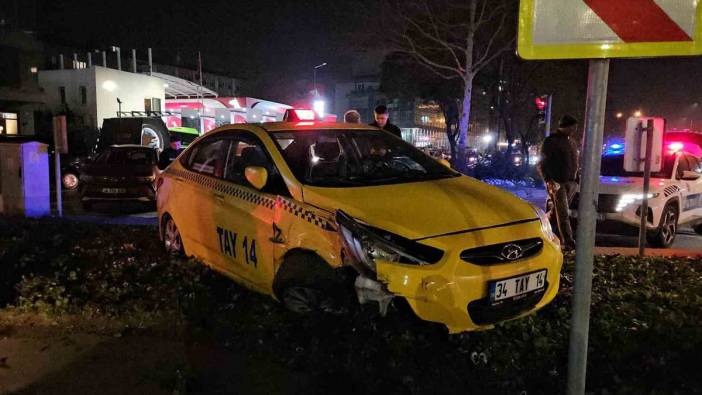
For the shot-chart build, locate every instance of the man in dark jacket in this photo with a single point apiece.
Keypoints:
(171, 153)
(559, 169)
(382, 121)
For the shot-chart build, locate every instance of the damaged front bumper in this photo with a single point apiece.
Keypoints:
(454, 292)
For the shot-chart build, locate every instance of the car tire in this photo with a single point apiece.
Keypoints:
(172, 240)
(306, 284)
(70, 181)
(697, 229)
(664, 236)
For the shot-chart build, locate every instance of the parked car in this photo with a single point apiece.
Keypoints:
(316, 214)
(145, 131)
(120, 173)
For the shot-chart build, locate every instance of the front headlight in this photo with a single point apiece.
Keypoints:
(545, 223)
(365, 245)
(629, 198)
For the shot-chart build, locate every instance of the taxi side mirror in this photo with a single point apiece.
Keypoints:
(690, 175)
(256, 176)
(445, 163)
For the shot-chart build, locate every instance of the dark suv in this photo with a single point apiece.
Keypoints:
(120, 173)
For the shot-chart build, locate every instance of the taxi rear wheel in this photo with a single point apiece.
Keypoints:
(698, 229)
(667, 228)
(305, 284)
(172, 241)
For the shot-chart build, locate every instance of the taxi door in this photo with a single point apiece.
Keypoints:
(194, 206)
(244, 215)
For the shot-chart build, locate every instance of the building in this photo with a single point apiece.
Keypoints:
(20, 95)
(93, 94)
(222, 85)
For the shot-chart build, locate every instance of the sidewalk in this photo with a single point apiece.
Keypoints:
(632, 251)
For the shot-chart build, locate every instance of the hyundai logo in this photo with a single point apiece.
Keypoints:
(511, 252)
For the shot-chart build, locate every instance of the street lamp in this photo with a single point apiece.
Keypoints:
(119, 57)
(314, 73)
(638, 113)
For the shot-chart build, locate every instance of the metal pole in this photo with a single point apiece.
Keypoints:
(134, 65)
(547, 129)
(314, 79)
(90, 60)
(104, 59)
(151, 65)
(647, 182)
(75, 61)
(594, 124)
(119, 59)
(61, 62)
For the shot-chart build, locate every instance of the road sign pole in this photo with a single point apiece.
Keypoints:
(594, 125)
(647, 182)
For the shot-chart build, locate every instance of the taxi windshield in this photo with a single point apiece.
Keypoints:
(349, 158)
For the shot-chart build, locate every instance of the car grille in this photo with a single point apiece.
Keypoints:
(504, 252)
(606, 203)
(482, 312)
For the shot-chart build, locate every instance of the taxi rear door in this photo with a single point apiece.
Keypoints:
(244, 216)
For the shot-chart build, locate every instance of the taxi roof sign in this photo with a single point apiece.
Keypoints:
(581, 29)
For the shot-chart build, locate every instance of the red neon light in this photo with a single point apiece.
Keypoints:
(540, 103)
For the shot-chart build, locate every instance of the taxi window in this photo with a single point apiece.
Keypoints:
(246, 150)
(351, 158)
(209, 158)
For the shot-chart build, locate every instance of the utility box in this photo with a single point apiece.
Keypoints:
(24, 179)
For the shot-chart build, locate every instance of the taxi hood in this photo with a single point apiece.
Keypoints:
(425, 209)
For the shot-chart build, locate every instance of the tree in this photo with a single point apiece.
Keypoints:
(403, 78)
(453, 39)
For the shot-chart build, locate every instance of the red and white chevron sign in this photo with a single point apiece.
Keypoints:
(552, 29)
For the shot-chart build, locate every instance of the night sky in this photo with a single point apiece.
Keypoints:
(236, 37)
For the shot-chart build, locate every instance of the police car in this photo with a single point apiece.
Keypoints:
(675, 193)
(321, 214)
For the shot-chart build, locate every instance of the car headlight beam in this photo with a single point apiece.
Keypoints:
(629, 198)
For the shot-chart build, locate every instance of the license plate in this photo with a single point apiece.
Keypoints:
(114, 190)
(516, 286)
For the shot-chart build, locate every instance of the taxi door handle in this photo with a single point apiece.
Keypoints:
(179, 179)
(219, 198)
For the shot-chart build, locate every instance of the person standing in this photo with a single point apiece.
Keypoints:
(559, 169)
(382, 121)
(171, 153)
(352, 116)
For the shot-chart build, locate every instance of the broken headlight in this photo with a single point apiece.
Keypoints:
(365, 245)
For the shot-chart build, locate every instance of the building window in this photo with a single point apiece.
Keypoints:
(83, 95)
(62, 94)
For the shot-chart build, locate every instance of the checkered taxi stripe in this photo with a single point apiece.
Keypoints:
(311, 217)
(255, 198)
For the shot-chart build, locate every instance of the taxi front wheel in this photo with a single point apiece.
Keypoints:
(305, 284)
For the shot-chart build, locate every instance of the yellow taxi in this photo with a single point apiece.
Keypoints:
(285, 208)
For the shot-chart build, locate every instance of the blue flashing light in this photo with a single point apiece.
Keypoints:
(616, 146)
